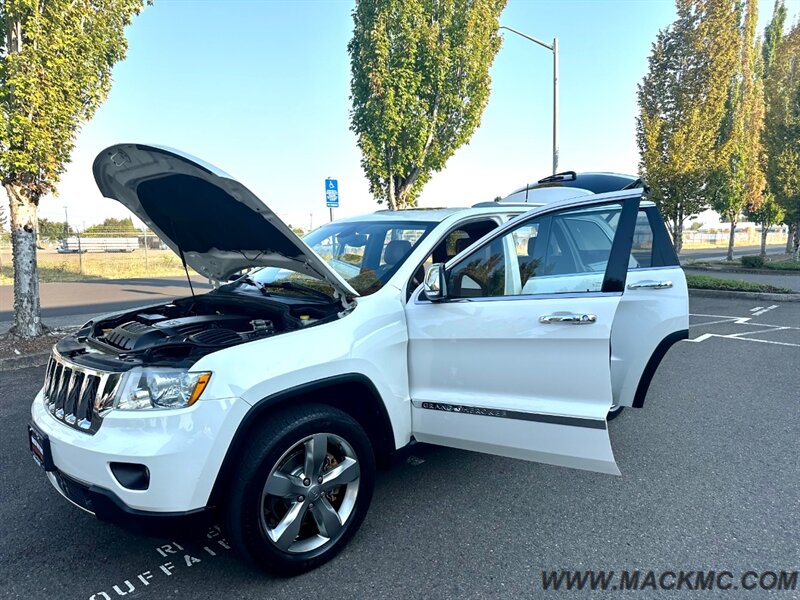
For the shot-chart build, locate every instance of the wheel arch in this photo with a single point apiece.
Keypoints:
(652, 365)
(352, 393)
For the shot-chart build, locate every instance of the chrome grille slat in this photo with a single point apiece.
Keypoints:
(54, 384)
(48, 378)
(72, 391)
(73, 394)
(63, 390)
(86, 399)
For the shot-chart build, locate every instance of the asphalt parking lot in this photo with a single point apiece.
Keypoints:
(710, 480)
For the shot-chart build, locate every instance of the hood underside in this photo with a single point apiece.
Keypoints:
(213, 222)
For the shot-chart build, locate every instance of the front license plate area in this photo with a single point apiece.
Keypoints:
(40, 448)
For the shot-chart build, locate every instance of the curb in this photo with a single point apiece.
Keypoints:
(785, 272)
(24, 361)
(697, 293)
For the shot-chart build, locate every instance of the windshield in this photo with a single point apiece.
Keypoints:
(365, 253)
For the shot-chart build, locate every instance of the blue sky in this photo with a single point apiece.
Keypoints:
(260, 89)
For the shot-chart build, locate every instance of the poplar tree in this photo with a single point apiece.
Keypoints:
(682, 102)
(738, 180)
(55, 70)
(782, 122)
(420, 83)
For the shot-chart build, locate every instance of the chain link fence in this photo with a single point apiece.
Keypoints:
(108, 254)
(742, 237)
(131, 254)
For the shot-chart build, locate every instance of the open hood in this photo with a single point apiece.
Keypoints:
(208, 218)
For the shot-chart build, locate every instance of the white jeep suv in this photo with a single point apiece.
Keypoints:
(270, 400)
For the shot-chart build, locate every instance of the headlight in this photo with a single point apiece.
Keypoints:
(162, 388)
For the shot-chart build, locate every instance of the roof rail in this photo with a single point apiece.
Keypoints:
(639, 183)
(496, 203)
(563, 176)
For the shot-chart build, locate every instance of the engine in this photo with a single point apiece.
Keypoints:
(180, 332)
(204, 330)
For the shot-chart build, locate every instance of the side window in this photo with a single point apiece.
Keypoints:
(557, 254)
(453, 243)
(642, 248)
(483, 273)
(663, 252)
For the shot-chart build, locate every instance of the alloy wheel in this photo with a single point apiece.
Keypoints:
(310, 493)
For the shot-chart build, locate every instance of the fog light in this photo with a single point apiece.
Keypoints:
(131, 476)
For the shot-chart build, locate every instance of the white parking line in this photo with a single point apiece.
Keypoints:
(769, 308)
(766, 328)
(736, 321)
(722, 319)
(711, 322)
(705, 336)
(770, 330)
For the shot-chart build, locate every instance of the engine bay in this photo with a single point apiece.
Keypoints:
(180, 332)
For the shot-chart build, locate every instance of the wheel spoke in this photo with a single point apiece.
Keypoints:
(326, 518)
(346, 471)
(286, 531)
(283, 485)
(316, 449)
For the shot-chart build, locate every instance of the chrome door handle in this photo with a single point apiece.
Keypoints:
(652, 285)
(570, 318)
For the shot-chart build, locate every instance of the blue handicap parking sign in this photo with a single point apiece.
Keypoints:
(332, 193)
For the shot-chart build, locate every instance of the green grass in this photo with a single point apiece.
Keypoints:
(66, 267)
(783, 265)
(704, 282)
(778, 265)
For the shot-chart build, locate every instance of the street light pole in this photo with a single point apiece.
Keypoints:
(554, 49)
(555, 105)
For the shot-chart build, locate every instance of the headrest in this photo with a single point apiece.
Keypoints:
(396, 251)
(531, 246)
(462, 244)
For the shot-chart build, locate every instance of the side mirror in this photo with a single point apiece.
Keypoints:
(435, 285)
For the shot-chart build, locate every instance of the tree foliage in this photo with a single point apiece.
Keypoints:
(682, 101)
(738, 177)
(112, 227)
(420, 82)
(55, 70)
(54, 230)
(782, 123)
(765, 214)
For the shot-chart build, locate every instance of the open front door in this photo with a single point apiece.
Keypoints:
(515, 360)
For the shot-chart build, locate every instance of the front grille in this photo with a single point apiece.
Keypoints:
(72, 393)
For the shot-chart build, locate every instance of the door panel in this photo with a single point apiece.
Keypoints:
(514, 368)
(488, 376)
(654, 306)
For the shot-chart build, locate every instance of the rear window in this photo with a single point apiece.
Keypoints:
(652, 246)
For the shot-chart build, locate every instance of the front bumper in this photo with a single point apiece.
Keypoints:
(107, 506)
(182, 449)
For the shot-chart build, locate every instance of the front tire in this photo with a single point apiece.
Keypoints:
(614, 412)
(301, 490)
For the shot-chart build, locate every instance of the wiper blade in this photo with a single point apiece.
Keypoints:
(281, 285)
(259, 286)
(298, 287)
(245, 279)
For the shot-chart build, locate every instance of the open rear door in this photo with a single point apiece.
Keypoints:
(515, 360)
